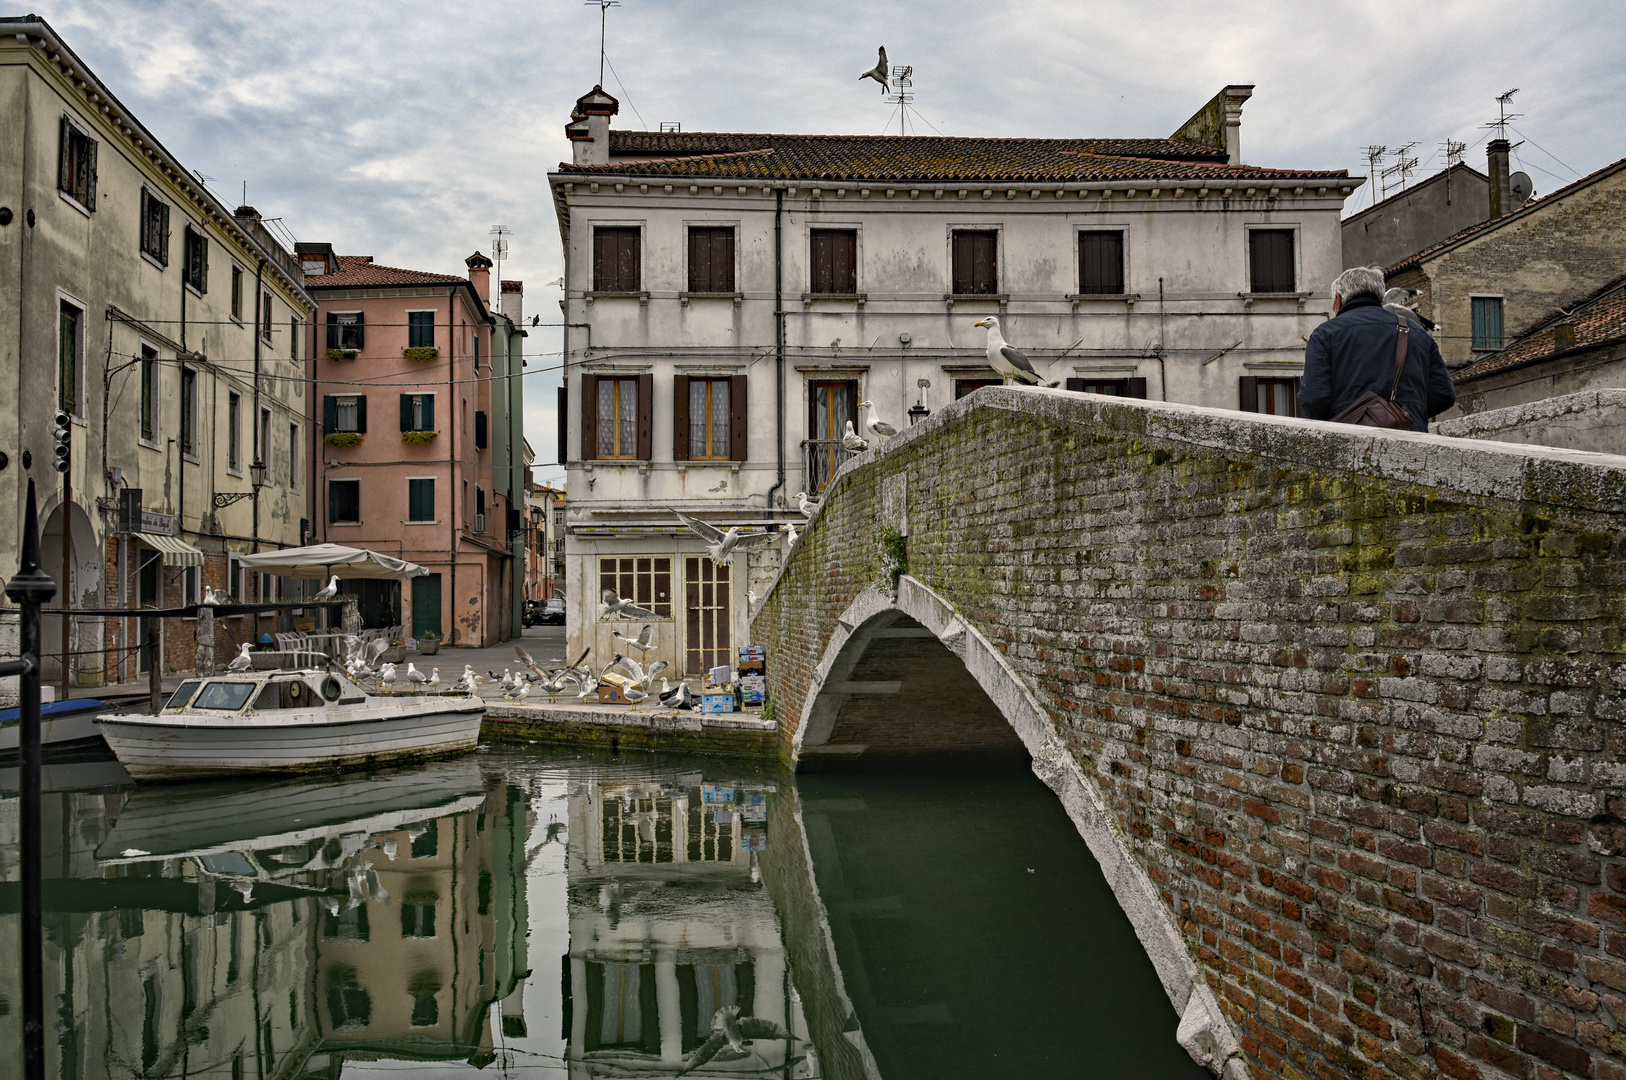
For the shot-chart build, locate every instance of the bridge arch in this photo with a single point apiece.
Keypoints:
(984, 705)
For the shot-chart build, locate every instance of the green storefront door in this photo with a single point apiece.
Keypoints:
(425, 604)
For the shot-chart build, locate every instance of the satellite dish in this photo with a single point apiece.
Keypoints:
(1521, 188)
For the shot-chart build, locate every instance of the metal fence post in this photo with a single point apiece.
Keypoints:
(30, 588)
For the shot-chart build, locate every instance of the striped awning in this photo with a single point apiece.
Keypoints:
(177, 552)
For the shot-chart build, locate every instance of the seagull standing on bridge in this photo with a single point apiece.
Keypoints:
(879, 72)
(1012, 363)
(881, 428)
(720, 545)
(853, 441)
(807, 506)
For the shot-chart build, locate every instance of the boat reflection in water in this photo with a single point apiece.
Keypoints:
(673, 936)
(274, 929)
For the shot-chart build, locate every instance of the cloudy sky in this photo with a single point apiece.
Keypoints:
(406, 130)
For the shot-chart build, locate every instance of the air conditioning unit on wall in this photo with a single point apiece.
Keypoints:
(479, 523)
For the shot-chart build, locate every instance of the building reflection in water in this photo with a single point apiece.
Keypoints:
(274, 930)
(670, 923)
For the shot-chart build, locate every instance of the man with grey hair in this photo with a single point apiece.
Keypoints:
(1354, 352)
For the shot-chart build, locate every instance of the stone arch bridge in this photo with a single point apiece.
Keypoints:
(1337, 710)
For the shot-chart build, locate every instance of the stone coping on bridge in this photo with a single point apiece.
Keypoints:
(739, 734)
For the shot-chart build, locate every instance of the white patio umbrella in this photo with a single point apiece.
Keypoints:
(321, 561)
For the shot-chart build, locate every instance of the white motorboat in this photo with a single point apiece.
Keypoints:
(64, 725)
(287, 721)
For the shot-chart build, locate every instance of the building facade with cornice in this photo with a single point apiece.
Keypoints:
(171, 329)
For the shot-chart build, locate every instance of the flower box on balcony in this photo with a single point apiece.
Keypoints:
(342, 354)
(418, 438)
(421, 353)
(344, 438)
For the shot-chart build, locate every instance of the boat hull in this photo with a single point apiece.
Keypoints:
(178, 748)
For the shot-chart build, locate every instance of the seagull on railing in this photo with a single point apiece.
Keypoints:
(210, 597)
(852, 440)
(881, 428)
(331, 591)
(879, 72)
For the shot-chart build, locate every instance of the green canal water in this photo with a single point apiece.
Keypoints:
(547, 914)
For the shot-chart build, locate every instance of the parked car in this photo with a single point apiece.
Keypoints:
(553, 612)
(531, 614)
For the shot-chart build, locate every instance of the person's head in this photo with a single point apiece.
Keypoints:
(1357, 281)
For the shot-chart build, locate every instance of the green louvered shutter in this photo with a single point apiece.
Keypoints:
(330, 415)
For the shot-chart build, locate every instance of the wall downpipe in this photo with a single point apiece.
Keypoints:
(449, 599)
(259, 337)
(1162, 343)
(779, 340)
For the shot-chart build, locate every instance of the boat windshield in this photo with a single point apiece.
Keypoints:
(183, 695)
(224, 695)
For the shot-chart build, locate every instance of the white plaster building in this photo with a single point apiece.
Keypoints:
(731, 298)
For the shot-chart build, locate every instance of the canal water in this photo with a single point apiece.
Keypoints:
(547, 914)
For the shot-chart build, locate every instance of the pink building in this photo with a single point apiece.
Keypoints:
(403, 380)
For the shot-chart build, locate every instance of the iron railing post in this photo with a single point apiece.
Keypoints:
(30, 588)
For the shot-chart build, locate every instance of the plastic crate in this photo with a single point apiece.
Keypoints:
(717, 703)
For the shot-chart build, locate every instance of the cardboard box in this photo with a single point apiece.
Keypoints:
(717, 703)
(756, 667)
(753, 652)
(610, 693)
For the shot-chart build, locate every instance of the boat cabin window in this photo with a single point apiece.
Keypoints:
(183, 695)
(223, 695)
(286, 694)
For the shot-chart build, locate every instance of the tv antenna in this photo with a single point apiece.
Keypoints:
(903, 91)
(499, 251)
(1405, 162)
(1453, 151)
(603, 9)
(1374, 154)
(1501, 122)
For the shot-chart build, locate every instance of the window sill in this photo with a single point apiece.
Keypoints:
(153, 259)
(343, 524)
(150, 444)
(75, 203)
(234, 472)
(235, 320)
(420, 523)
(1001, 299)
(685, 297)
(850, 297)
(1119, 298)
(1249, 297)
(194, 290)
(641, 297)
(191, 459)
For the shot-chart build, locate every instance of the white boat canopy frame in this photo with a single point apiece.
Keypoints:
(321, 561)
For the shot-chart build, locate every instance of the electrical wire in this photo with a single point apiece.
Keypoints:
(1544, 150)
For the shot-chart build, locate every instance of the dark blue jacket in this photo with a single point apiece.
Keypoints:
(1354, 352)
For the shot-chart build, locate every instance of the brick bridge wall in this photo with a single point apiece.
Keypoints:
(1348, 702)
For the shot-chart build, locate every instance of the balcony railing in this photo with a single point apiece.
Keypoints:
(820, 460)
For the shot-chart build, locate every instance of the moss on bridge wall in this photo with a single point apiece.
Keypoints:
(1353, 699)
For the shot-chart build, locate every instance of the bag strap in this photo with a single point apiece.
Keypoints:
(1401, 343)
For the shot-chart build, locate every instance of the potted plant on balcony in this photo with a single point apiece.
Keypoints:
(418, 438)
(343, 354)
(421, 353)
(344, 438)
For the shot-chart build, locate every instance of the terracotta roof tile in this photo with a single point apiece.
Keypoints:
(1596, 322)
(361, 271)
(923, 158)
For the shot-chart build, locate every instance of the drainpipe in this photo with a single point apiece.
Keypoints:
(779, 339)
(259, 451)
(449, 603)
(1162, 343)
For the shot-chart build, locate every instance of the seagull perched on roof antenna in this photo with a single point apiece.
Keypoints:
(1010, 362)
(879, 72)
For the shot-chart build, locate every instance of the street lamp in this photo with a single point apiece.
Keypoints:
(256, 474)
(256, 477)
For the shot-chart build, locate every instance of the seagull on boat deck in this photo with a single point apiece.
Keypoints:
(643, 642)
(331, 591)
(730, 1033)
(879, 72)
(434, 678)
(210, 597)
(720, 545)
(852, 440)
(386, 674)
(415, 676)
(881, 428)
(614, 607)
(1012, 363)
(806, 505)
(243, 661)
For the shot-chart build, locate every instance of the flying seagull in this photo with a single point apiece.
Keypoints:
(854, 441)
(331, 591)
(730, 1034)
(879, 72)
(614, 607)
(1010, 362)
(643, 642)
(720, 545)
(881, 428)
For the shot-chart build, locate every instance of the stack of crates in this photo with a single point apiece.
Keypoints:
(753, 666)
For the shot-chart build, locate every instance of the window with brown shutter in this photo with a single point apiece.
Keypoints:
(1278, 397)
(975, 262)
(1270, 260)
(711, 260)
(1135, 388)
(616, 260)
(617, 417)
(834, 270)
(1101, 263)
(707, 415)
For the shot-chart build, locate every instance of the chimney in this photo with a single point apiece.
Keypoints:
(480, 275)
(589, 127)
(1219, 123)
(513, 301)
(1501, 199)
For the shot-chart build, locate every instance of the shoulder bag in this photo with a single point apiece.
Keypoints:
(1372, 409)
